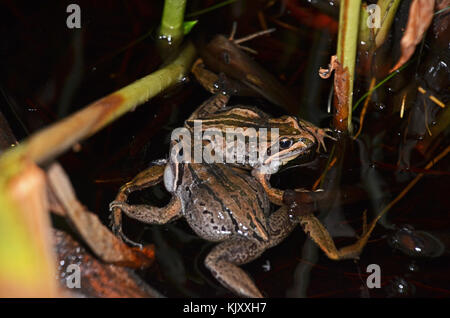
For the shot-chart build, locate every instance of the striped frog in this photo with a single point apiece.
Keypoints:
(221, 204)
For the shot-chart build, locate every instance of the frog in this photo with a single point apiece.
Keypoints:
(228, 203)
(221, 204)
(225, 70)
(293, 138)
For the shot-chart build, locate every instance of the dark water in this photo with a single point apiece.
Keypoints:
(49, 71)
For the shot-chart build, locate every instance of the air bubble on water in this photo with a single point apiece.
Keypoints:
(400, 287)
(380, 106)
(412, 267)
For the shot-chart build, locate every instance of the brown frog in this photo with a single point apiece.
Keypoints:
(221, 204)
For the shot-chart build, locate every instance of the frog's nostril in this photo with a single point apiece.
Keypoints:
(308, 142)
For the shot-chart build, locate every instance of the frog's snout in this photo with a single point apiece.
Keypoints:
(309, 142)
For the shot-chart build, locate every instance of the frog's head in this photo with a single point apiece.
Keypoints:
(292, 141)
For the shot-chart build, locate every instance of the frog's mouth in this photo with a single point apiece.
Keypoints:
(273, 163)
(305, 145)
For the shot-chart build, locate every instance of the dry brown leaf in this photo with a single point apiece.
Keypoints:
(97, 236)
(97, 279)
(420, 16)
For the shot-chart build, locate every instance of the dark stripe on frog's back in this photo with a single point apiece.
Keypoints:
(224, 180)
(199, 183)
(258, 190)
(221, 179)
(234, 193)
(222, 120)
(210, 170)
(234, 123)
(236, 116)
(219, 172)
(257, 193)
(244, 111)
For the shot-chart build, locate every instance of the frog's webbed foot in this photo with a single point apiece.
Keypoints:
(223, 263)
(318, 233)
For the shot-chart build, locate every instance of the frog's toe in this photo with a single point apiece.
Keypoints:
(117, 204)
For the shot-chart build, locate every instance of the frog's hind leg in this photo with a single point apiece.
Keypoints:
(148, 214)
(319, 234)
(280, 226)
(224, 260)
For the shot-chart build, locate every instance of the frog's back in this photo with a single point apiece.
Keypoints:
(221, 202)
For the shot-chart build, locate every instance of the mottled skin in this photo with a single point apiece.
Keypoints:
(220, 204)
(295, 137)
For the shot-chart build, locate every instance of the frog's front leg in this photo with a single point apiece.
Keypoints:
(150, 214)
(144, 179)
(275, 195)
(224, 259)
(319, 234)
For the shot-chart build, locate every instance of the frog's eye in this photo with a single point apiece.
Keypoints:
(285, 143)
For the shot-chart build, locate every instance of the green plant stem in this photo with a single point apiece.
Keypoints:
(172, 20)
(26, 266)
(49, 142)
